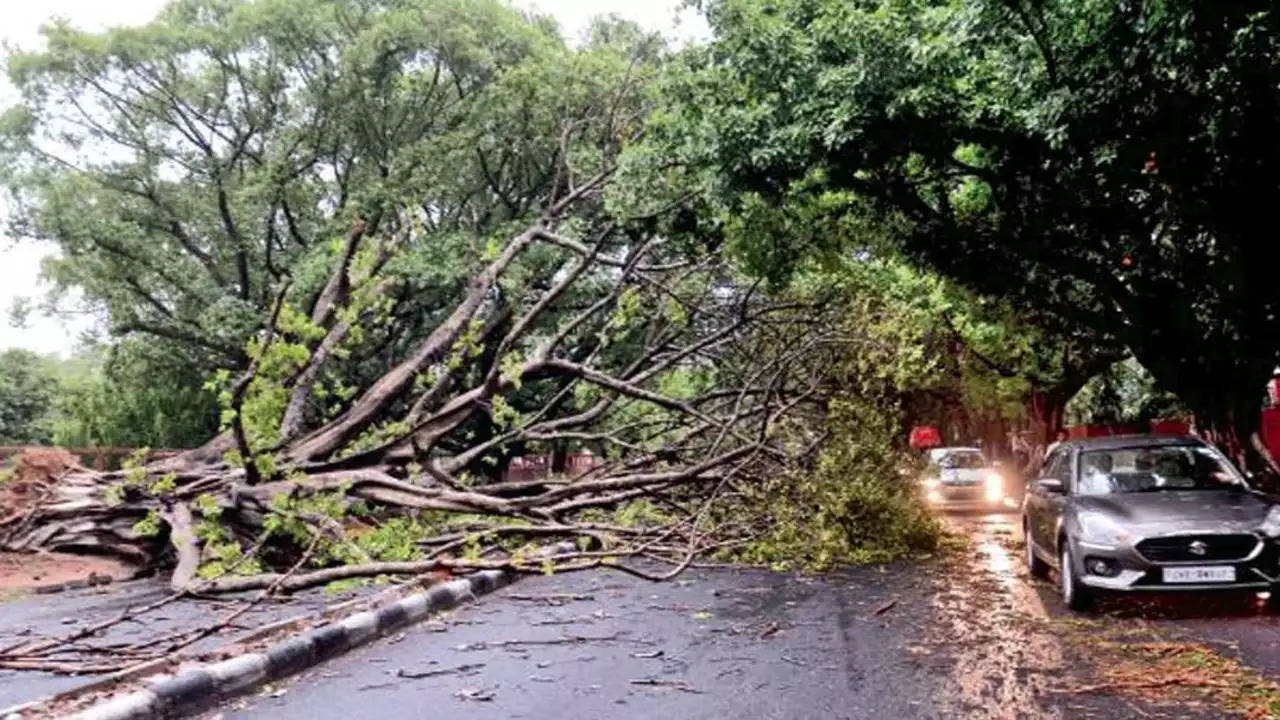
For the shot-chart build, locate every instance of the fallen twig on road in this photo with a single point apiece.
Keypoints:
(419, 674)
(551, 599)
(566, 640)
(676, 684)
(886, 607)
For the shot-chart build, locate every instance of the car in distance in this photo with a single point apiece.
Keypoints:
(960, 478)
(1147, 513)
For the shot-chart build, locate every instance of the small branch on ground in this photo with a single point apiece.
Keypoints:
(675, 684)
(418, 674)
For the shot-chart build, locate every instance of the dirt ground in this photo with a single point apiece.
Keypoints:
(28, 571)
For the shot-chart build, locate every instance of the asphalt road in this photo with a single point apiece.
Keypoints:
(965, 636)
(36, 617)
(971, 637)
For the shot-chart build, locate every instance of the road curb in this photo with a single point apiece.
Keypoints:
(198, 688)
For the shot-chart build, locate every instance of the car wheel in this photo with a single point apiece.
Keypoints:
(1038, 568)
(1273, 602)
(1074, 593)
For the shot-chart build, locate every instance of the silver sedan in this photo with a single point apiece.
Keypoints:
(1146, 513)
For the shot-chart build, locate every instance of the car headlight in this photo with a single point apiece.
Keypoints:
(1101, 529)
(995, 486)
(1271, 525)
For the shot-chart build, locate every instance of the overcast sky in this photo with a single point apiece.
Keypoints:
(20, 265)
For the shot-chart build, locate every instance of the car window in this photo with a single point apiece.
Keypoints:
(1056, 466)
(1155, 469)
(963, 461)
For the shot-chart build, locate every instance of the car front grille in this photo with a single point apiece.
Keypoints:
(1198, 548)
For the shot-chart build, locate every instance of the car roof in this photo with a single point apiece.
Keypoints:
(1120, 442)
(949, 450)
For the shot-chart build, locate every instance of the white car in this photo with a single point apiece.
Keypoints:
(961, 478)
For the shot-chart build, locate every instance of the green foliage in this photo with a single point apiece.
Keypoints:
(132, 394)
(113, 494)
(223, 146)
(1125, 394)
(28, 390)
(207, 506)
(164, 485)
(338, 587)
(393, 540)
(640, 513)
(376, 436)
(222, 556)
(856, 506)
(1102, 164)
(148, 526)
(503, 414)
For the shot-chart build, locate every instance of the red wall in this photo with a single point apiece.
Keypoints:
(1178, 426)
(1271, 430)
(1171, 426)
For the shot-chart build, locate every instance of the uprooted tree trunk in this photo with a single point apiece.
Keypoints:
(663, 363)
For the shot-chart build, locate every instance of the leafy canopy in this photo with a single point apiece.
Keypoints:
(1105, 164)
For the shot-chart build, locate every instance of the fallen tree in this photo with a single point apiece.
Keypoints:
(445, 272)
(662, 361)
(412, 264)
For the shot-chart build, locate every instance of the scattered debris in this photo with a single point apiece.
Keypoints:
(648, 655)
(564, 640)
(793, 661)
(477, 694)
(418, 674)
(553, 599)
(376, 686)
(886, 607)
(771, 630)
(674, 684)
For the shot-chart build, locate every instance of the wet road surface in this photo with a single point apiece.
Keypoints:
(712, 644)
(966, 637)
(35, 617)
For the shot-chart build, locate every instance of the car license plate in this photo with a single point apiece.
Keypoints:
(1200, 574)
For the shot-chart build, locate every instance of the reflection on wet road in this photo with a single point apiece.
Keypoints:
(990, 621)
(1032, 638)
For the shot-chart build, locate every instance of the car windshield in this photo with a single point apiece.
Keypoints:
(962, 461)
(1154, 469)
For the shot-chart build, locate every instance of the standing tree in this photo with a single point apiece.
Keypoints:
(27, 388)
(1108, 165)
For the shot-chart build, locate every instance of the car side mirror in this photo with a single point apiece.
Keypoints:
(1053, 486)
